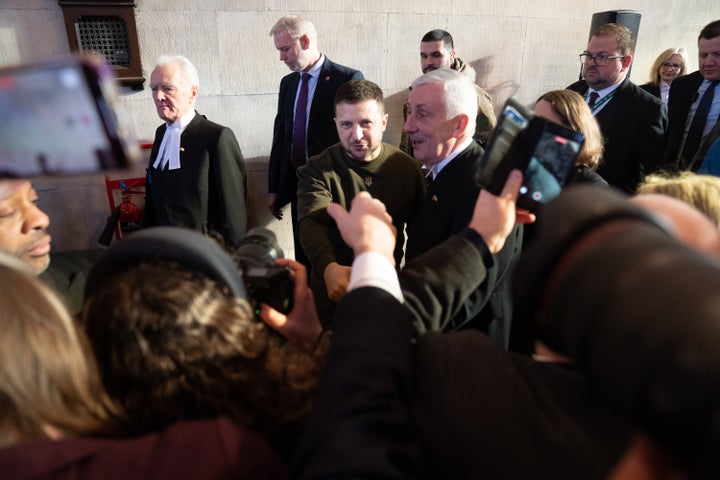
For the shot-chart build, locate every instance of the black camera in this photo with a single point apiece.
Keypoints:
(544, 151)
(265, 282)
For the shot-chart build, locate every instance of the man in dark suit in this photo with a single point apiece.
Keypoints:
(440, 123)
(196, 175)
(686, 93)
(296, 40)
(632, 121)
(382, 438)
(366, 423)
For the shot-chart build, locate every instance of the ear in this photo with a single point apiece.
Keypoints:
(194, 91)
(461, 126)
(384, 121)
(304, 42)
(452, 56)
(627, 61)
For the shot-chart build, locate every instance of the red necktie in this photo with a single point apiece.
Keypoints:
(299, 125)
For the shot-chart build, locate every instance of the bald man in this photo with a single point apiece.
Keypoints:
(23, 226)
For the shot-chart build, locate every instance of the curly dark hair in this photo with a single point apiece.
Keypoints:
(172, 344)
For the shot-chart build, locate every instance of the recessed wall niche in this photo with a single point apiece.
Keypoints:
(106, 27)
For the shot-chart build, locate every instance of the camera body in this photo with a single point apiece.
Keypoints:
(544, 151)
(264, 281)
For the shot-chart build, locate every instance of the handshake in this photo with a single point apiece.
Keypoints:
(367, 229)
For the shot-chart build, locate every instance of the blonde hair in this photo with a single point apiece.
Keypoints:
(664, 57)
(700, 191)
(576, 114)
(48, 378)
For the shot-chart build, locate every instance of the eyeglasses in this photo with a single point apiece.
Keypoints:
(674, 66)
(600, 59)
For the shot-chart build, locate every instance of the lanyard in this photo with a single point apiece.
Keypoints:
(600, 102)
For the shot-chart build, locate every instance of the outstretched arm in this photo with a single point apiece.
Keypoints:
(361, 426)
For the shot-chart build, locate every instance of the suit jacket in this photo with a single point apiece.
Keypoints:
(446, 209)
(651, 88)
(709, 150)
(453, 406)
(437, 283)
(633, 125)
(360, 425)
(483, 412)
(448, 203)
(683, 92)
(207, 193)
(321, 133)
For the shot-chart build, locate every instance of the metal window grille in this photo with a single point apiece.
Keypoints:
(106, 35)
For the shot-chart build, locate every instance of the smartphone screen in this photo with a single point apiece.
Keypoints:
(551, 163)
(57, 121)
(544, 151)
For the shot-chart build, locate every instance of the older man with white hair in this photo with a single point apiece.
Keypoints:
(441, 122)
(196, 176)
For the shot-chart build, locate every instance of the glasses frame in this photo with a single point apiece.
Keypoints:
(674, 66)
(600, 59)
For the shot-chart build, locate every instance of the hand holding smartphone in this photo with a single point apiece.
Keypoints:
(544, 151)
(61, 117)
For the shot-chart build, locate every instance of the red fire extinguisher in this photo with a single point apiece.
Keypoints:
(130, 214)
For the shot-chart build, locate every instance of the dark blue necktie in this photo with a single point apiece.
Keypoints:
(299, 124)
(592, 98)
(695, 132)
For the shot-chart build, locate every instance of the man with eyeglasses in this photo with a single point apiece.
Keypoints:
(694, 107)
(632, 121)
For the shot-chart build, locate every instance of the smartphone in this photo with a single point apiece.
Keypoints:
(544, 151)
(514, 120)
(551, 163)
(62, 117)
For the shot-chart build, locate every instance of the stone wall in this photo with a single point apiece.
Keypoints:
(518, 48)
